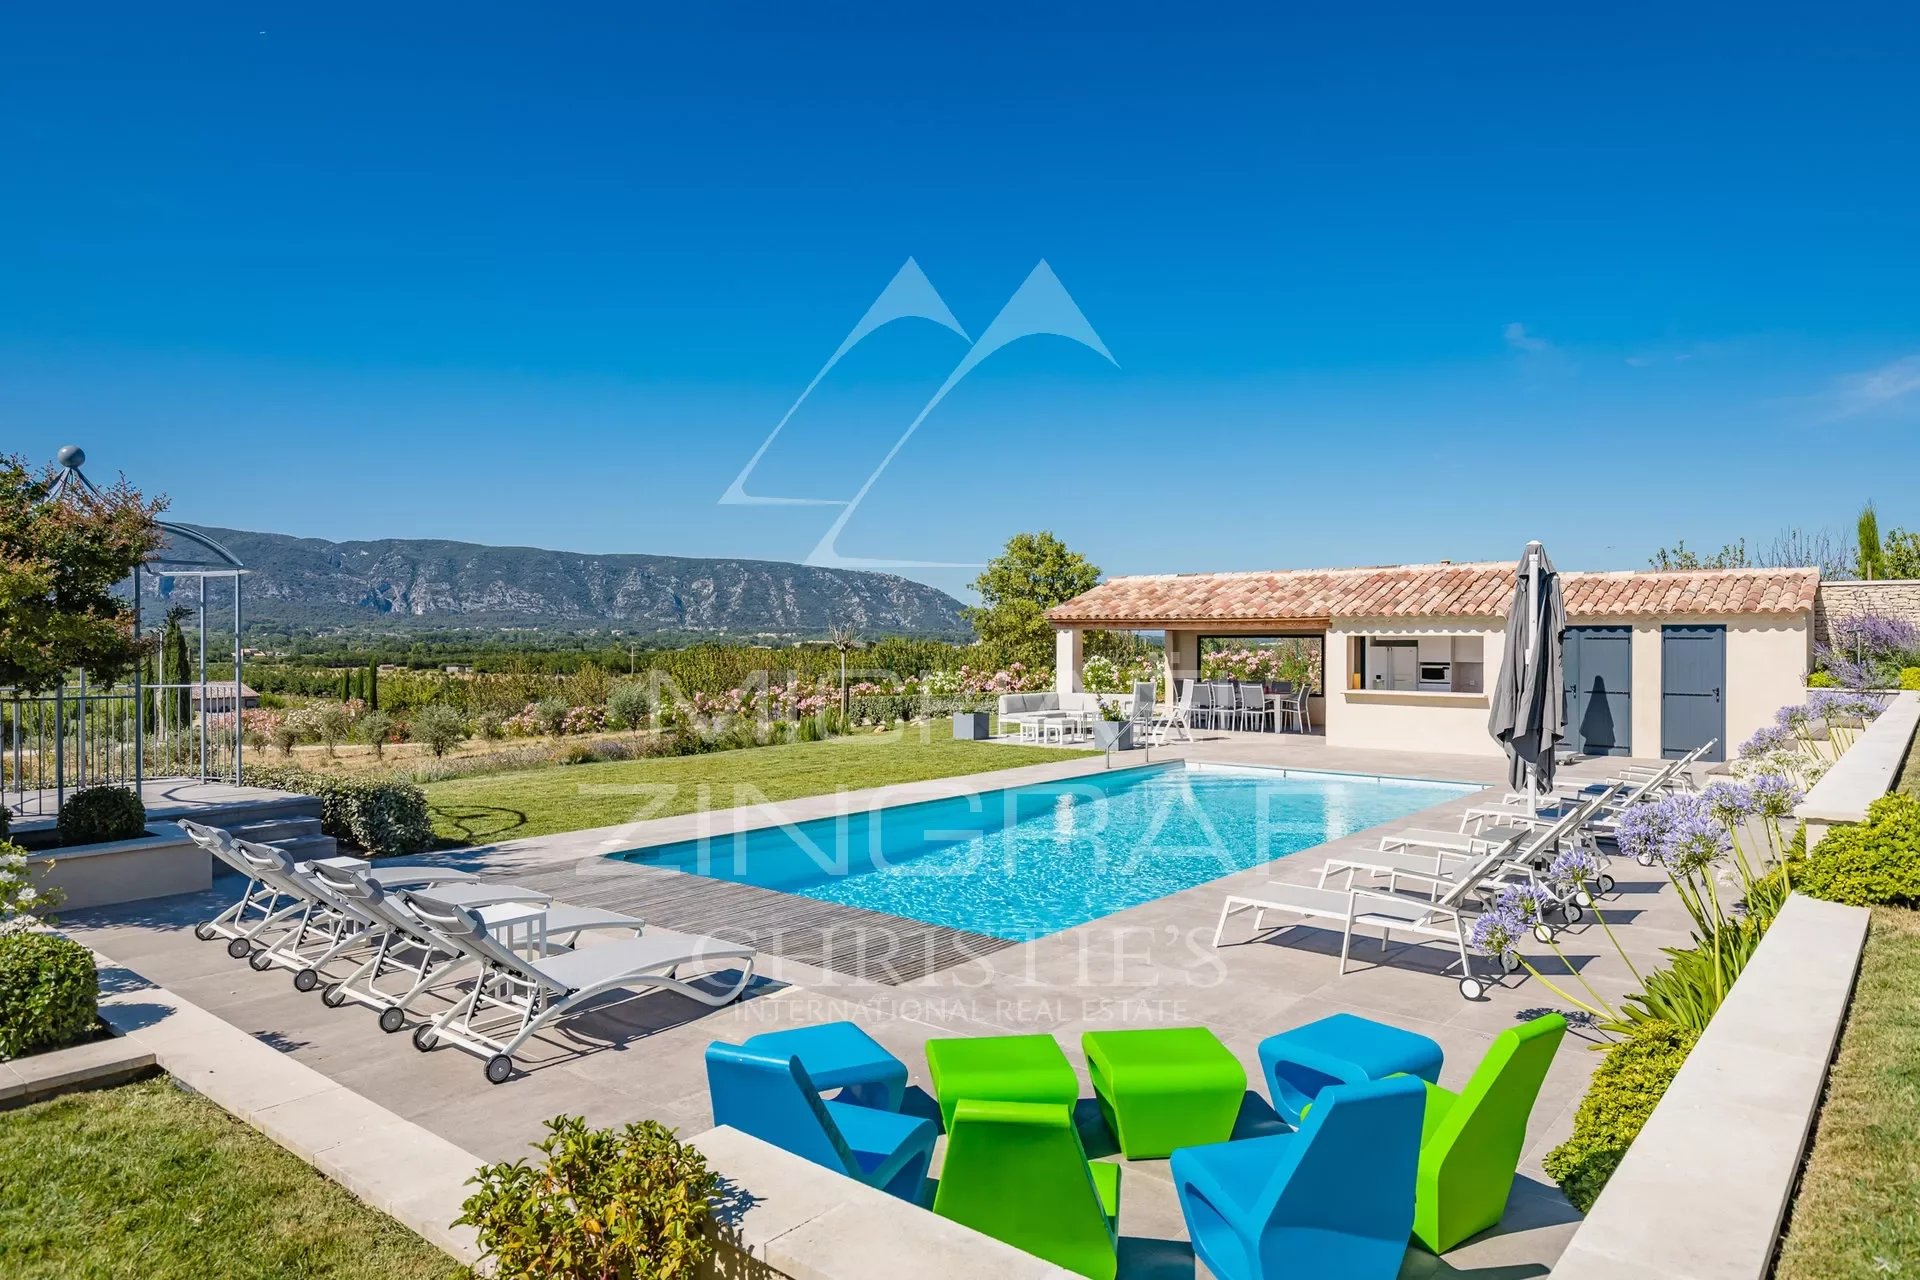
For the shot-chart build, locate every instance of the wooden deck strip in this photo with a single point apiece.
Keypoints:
(869, 945)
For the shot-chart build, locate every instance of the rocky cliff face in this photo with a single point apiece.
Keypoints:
(414, 581)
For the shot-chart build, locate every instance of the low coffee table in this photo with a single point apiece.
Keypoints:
(1341, 1049)
(999, 1069)
(1161, 1088)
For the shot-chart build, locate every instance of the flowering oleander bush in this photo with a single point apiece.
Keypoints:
(1295, 661)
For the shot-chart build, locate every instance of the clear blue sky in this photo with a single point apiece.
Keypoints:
(550, 277)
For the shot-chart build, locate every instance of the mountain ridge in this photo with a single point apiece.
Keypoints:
(427, 583)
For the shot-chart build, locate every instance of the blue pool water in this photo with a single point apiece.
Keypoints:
(1030, 861)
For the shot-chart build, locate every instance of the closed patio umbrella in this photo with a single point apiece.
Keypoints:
(1529, 716)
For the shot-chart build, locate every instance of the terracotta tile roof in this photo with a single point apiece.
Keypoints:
(1313, 596)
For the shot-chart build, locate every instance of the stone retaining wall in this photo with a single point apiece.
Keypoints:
(1898, 598)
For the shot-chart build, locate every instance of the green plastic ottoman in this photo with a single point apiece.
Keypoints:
(1163, 1088)
(999, 1069)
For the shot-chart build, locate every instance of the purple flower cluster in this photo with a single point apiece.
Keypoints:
(1771, 737)
(1773, 795)
(1642, 827)
(1694, 839)
(1852, 674)
(1498, 932)
(1524, 900)
(1873, 635)
(1575, 864)
(1792, 717)
(1728, 802)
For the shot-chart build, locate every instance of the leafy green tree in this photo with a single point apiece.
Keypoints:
(333, 724)
(1900, 554)
(1036, 572)
(176, 668)
(1872, 563)
(440, 727)
(59, 564)
(1732, 555)
(374, 728)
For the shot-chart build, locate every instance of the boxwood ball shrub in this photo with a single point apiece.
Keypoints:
(1626, 1087)
(1867, 863)
(96, 815)
(602, 1202)
(381, 816)
(49, 993)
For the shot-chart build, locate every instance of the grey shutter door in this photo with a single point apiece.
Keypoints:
(1693, 689)
(1599, 674)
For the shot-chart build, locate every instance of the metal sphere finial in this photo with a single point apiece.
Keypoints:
(72, 457)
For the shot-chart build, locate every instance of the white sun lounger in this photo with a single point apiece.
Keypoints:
(516, 995)
(311, 921)
(258, 903)
(1438, 859)
(405, 945)
(1444, 918)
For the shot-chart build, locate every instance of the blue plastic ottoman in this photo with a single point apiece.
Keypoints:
(839, 1055)
(1342, 1049)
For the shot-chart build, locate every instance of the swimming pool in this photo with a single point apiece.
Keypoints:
(1029, 861)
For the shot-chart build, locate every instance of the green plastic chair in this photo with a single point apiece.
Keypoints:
(1470, 1142)
(1016, 1171)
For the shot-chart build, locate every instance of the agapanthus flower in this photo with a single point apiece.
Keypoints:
(1641, 829)
(1694, 840)
(1524, 900)
(1575, 864)
(1792, 717)
(1774, 795)
(1769, 738)
(1728, 802)
(1497, 932)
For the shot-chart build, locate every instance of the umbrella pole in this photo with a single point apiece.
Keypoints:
(1533, 650)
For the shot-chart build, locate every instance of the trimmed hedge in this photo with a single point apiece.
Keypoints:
(49, 993)
(96, 815)
(1867, 863)
(1626, 1087)
(382, 816)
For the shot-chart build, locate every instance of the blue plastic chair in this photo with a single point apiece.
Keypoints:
(1334, 1198)
(771, 1097)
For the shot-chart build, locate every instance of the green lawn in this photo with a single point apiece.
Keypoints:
(147, 1181)
(1910, 775)
(1857, 1213)
(539, 802)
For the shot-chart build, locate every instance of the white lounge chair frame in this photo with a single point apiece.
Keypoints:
(1443, 919)
(516, 996)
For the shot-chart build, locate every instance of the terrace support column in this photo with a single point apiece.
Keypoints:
(1069, 648)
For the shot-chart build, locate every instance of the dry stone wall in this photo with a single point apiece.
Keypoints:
(1895, 598)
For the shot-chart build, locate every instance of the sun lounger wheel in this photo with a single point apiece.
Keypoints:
(423, 1037)
(499, 1068)
(1472, 988)
(239, 948)
(260, 961)
(306, 980)
(1510, 961)
(1606, 884)
(1573, 912)
(204, 931)
(392, 1020)
(334, 996)
(1644, 859)
(1542, 932)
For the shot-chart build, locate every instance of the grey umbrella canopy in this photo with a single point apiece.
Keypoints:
(1529, 714)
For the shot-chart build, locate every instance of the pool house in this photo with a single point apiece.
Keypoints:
(1657, 662)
